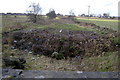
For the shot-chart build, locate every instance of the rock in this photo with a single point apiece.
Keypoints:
(11, 74)
(12, 47)
(79, 72)
(39, 76)
(26, 50)
(15, 41)
(24, 74)
(30, 52)
(33, 58)
(15, 63)
(118, 45)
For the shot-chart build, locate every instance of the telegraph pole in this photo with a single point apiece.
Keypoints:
(88, 12)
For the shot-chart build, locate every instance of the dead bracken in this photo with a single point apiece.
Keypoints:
(67, 43)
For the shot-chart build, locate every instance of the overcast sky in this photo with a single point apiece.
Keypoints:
(62, 6)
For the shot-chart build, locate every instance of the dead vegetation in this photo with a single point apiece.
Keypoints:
(69, 43)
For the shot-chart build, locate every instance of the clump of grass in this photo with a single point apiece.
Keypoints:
(116, 40)
(57, 55)
(105, 63)
(62, 40)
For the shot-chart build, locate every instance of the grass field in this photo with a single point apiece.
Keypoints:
(61, 26)
(21, 20)
(102, 22)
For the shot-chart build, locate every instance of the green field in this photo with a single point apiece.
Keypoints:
(61, 26)
(102, 22)
(10, 21)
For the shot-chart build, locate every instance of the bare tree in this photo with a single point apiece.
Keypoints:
(33, 11)
(71, 12)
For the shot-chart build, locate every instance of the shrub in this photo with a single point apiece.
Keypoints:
(57, 55)
(51, 14)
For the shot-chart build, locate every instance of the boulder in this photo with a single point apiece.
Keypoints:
(15, 63)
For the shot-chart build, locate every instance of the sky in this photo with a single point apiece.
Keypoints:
(62, 6)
